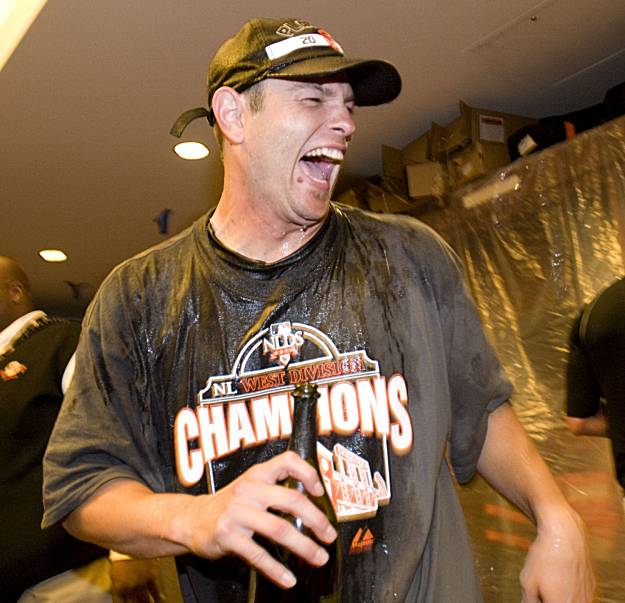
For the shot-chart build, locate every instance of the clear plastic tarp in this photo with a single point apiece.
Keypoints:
(539, 239)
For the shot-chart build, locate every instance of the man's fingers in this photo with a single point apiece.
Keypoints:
(300, 506)
(249, 505)
(282, 532)
(274, 529)
(284, 500)
(259, 557)
(289, 464)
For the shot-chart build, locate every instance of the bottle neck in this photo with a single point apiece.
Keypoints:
(303, 440)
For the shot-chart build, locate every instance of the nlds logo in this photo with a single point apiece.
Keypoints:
(282, 344)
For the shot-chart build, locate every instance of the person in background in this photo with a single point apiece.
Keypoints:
(36, 354)
(595, 400)
(172, 440)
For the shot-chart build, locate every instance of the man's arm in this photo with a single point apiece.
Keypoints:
(558, 566)
(128, 517)
(583, 391)
(595, 425)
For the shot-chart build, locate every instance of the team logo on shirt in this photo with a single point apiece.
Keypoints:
(252, 406)
(12, 370)
(282, 344)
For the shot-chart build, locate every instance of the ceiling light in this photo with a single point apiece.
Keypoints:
(191, 150)
(16, 16)
(52, 255)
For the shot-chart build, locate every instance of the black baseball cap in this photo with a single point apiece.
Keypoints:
(290, 49)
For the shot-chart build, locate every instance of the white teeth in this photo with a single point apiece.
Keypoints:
(334, 154)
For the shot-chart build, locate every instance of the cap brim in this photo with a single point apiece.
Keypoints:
(374, 81)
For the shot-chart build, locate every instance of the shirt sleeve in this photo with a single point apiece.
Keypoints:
(101, 432)
(583, 392)
(477, 382)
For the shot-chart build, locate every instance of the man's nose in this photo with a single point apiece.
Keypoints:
(343, 121)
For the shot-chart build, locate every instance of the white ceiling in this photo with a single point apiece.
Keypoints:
(87, 100)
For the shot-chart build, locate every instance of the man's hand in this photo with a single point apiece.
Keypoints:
(558, 567)
(128, 517)
(224, 523)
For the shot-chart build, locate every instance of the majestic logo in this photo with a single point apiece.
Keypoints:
(250, 406)
(362, 542)
(12, 370)
(292, 28)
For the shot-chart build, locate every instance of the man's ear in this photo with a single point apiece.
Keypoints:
(228, 105)
(17, 292)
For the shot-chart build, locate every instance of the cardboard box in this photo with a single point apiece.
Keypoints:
(417, 151)
(438, 142)
(478, 125)
(475, 161)
(352, 197)
(393, 167)
(383, 201)
(457, 134)
(426, 180)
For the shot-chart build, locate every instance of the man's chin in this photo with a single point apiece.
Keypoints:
(316, 212)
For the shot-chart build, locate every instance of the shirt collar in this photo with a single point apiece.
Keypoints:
(9, 334)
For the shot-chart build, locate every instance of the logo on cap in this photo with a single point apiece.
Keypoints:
(292, 28)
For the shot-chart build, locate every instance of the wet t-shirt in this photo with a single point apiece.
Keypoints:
(188, 356)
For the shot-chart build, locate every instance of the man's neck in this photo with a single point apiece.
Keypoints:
(248, 232)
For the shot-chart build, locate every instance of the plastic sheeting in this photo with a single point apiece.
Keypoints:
(539, 239)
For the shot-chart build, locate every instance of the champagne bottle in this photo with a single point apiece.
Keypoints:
(314, 584)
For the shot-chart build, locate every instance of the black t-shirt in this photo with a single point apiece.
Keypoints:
(182, 364)
(30, 399)
(595, 368)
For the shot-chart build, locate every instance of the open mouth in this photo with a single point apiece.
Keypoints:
(320, 163)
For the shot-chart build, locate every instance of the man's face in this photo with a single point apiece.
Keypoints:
(294, 147)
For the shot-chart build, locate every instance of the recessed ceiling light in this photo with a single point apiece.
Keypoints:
(52, 255)
(191, 150)
(16, 16)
